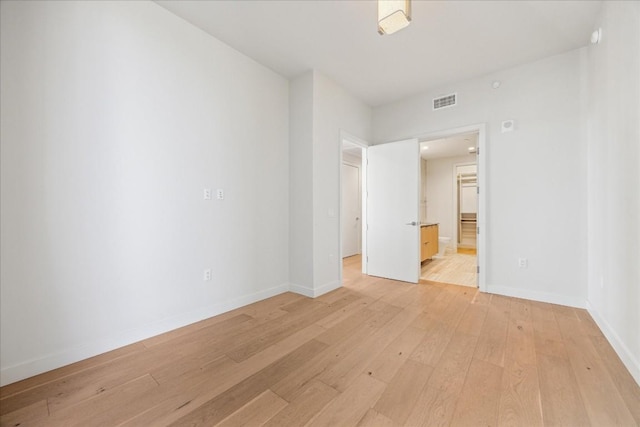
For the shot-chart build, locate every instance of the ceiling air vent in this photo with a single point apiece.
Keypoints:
(444, 101)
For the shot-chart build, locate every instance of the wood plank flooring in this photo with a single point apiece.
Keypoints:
(373, 353)
(453, 268)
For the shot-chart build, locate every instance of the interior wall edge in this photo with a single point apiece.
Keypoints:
(316, 291)
(301, 290)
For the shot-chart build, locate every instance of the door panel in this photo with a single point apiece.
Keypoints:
(393, 235)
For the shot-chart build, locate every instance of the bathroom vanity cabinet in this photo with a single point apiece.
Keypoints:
(428, 241)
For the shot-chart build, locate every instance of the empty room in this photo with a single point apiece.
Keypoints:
(319, 213)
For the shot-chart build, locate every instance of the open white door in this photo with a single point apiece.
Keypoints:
(393, 235)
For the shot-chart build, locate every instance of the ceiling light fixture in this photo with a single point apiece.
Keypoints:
(393, 15)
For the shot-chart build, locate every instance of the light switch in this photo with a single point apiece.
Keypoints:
(207, 194)
(220, 194)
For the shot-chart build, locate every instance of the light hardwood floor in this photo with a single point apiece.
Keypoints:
(453, 268)
(373, 353)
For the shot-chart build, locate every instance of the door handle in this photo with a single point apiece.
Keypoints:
(414, 223)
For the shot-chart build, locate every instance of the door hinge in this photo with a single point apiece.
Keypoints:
(477, 230)
(478, 269)
(477, 151)
(477, 190)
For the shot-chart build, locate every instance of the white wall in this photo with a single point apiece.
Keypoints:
(334, 110)
(115, 116)
(614, 180)
(535, 175)
(440, 192)
(301, 183)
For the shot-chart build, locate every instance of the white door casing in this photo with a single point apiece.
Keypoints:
(393, 234)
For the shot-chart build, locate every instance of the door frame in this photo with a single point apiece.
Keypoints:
(481, 161)
(354, 140)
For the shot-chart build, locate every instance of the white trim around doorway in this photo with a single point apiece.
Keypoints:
(354, 140)
(482, 255)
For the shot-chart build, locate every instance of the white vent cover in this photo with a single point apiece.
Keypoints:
(444, 101)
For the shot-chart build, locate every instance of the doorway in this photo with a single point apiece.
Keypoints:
(350, 208)
(480, 131)
(353, 155)
(449, 207)
(466, 207)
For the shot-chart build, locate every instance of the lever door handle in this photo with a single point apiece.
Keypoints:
(414, 223)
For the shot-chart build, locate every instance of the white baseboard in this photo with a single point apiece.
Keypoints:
(328, 287)
(537, 296)
(302, 290)
(65, 357)
(314, 292)
(628, 358)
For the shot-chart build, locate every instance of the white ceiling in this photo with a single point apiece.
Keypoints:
(447, 41)
(351, 149)
(451, 146)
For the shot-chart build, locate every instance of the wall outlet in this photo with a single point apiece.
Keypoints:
(207, 274)
(220, 194)
(207, 194)
(523, 262)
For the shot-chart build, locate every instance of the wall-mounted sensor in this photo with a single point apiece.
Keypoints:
(596, 36)
(508, 126)
(496, 84)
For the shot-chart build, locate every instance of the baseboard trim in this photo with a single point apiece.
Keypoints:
(68, 356)
(537, 296)
(327, 287)
(628, 359)
(315, 292)
(302, 290)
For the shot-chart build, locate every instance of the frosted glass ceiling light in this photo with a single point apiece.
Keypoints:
(393, 15)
